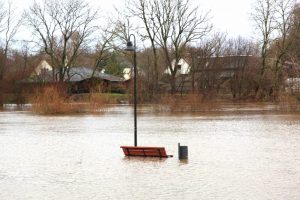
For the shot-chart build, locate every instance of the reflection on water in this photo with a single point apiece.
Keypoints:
(232, 155)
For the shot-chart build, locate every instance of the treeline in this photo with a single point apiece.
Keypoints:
(72, 33)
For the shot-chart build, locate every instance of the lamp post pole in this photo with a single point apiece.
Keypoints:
(135, 93)
(131, 47)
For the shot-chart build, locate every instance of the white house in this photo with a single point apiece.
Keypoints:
(127, 73)
(183, 67)
(42, 67)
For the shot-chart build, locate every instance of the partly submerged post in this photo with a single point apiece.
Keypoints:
(182, 152)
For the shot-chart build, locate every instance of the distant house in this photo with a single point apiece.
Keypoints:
(226, 66)
(127, 73)
(210, 70)
(291, 71)
(42, 67)
(183, 84)
(183, 67)
(78, 79)
(83, 80)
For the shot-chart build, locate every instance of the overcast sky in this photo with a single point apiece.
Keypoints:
(231, 16)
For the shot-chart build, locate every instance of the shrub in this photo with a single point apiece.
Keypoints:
(52, 100)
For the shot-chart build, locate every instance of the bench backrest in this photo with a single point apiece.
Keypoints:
(144, 151)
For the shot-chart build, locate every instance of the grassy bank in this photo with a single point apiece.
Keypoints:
(53, 100)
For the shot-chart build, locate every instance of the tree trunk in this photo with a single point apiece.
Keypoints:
(155, 69)
(61, 75)
(173, 84)
(193, 82)
(1, 95)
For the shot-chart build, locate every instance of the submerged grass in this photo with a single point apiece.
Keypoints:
(288, 103)
(186, 103)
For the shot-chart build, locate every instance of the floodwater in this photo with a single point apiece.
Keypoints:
(232, 155)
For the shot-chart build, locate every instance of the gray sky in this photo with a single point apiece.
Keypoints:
(231, 16)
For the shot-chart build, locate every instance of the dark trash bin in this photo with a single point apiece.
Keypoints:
(182, 152)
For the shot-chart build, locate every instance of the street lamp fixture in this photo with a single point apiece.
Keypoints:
(129, 46)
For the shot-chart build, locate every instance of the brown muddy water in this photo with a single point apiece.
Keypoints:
(240, 153)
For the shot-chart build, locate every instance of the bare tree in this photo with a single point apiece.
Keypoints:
(203, 66)
(62, 28)
(294, 35)
(145, 11)
(284, 24)
(177, 24)
(9, 24)
(274, 19)
(264, 19)
(121, 27)
(104, 47)
(241, 54)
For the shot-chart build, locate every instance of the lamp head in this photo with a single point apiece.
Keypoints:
(129, 46)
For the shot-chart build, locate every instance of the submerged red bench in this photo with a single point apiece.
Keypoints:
(145, 151)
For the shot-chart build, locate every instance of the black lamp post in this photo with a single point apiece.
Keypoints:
(131, 47)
